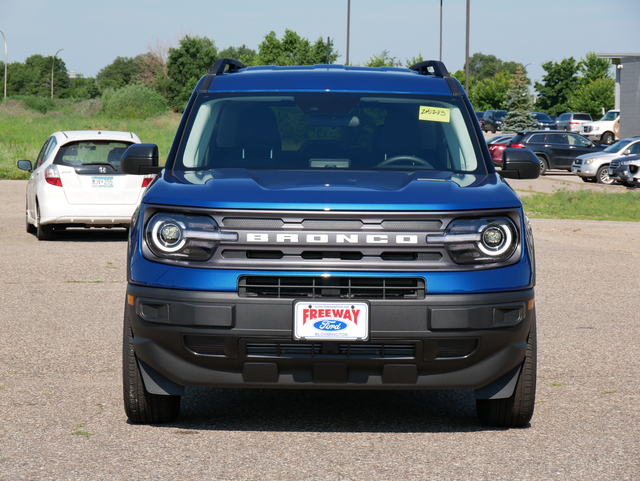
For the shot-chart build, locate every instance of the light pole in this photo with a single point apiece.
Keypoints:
(52, 64)
(6, 59)
(348, 27)
(441, 30)
(466, 55)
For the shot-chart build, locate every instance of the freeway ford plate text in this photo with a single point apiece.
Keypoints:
(333, 321)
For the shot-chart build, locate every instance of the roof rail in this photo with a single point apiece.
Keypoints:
(220, 65)
(431, 67)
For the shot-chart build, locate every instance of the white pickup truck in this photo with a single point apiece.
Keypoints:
(602, 130)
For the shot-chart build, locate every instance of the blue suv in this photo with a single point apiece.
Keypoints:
(330, 227)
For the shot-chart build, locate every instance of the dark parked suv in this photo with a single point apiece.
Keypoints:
(556, 150)
(330, 227)
(492, 120)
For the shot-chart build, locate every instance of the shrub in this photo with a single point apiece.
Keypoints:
(132, 102)
(39, 104)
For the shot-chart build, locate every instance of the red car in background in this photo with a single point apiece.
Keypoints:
(496, 146)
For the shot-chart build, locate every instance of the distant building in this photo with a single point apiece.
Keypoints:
(627, 91)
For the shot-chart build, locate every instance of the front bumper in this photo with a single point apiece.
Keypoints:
(457, 341)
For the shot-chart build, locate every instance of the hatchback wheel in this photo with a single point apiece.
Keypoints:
(43, 232)
(31, 229)
(602, 177)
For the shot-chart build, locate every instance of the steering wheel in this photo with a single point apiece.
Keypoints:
(410, 158)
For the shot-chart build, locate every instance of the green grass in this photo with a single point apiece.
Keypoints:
(584, 204)
(23, 131)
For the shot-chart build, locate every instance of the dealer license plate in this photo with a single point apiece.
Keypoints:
(335, 321)
(101, 181)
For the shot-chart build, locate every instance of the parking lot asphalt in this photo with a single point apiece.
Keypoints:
(61, 397)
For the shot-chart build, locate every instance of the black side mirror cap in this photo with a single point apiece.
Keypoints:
(140, 159)
(520, 164)
(25, 165)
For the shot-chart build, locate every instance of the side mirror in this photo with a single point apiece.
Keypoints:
(25, 165)
(140, 159)
(520, 164)
(627, 152)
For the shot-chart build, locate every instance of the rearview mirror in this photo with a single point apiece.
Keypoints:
(140, 159)
(25, 165)
(520, 164)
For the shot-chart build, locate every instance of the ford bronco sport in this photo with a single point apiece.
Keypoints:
(330, 227)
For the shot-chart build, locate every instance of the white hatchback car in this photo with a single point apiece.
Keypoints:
(77, 182)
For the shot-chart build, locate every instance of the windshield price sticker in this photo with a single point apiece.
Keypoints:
(101, 181)
(434, 114)
(331, 321)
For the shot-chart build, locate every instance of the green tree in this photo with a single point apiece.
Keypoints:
(519, 104)
(483, 66)
(592, 97)
(382, 60)
(185, 65)
(119, 73)
(152, 72)
(593, 68)
(243, 53)
(33, 77)
(490, 93)
(293, 50)
(557, 86)
(82, 88)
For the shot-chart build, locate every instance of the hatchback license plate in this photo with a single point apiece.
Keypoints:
(101, 181)
(335, 321)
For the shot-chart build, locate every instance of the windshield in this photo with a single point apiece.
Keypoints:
(618, 146)
(328, 130)
(541, 116)
(89, 153)
(610, 115)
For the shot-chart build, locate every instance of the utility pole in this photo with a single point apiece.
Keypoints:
(53, 62)
(348, 27)
(6, 59)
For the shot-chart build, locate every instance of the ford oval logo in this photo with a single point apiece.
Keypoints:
(330, 325)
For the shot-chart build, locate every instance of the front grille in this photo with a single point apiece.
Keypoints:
(332, 287)
(330, 350)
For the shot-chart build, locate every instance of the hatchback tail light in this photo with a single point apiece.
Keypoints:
(52, 176)
(517, 146)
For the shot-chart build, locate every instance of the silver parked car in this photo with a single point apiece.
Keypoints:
(594, 167)
(572, 122)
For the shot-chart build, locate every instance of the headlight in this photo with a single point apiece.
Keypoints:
(479, 240)
(589, 161)
(177, 236)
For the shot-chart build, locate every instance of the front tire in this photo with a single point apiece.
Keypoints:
(141, 406)
(515, 411)
(602, 177)
(607, 138)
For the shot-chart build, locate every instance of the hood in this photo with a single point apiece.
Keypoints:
(331, 190)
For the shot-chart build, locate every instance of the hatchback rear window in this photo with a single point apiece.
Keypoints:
(88, 156)
(582, 117)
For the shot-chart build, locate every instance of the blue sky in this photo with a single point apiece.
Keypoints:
(93, 33)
